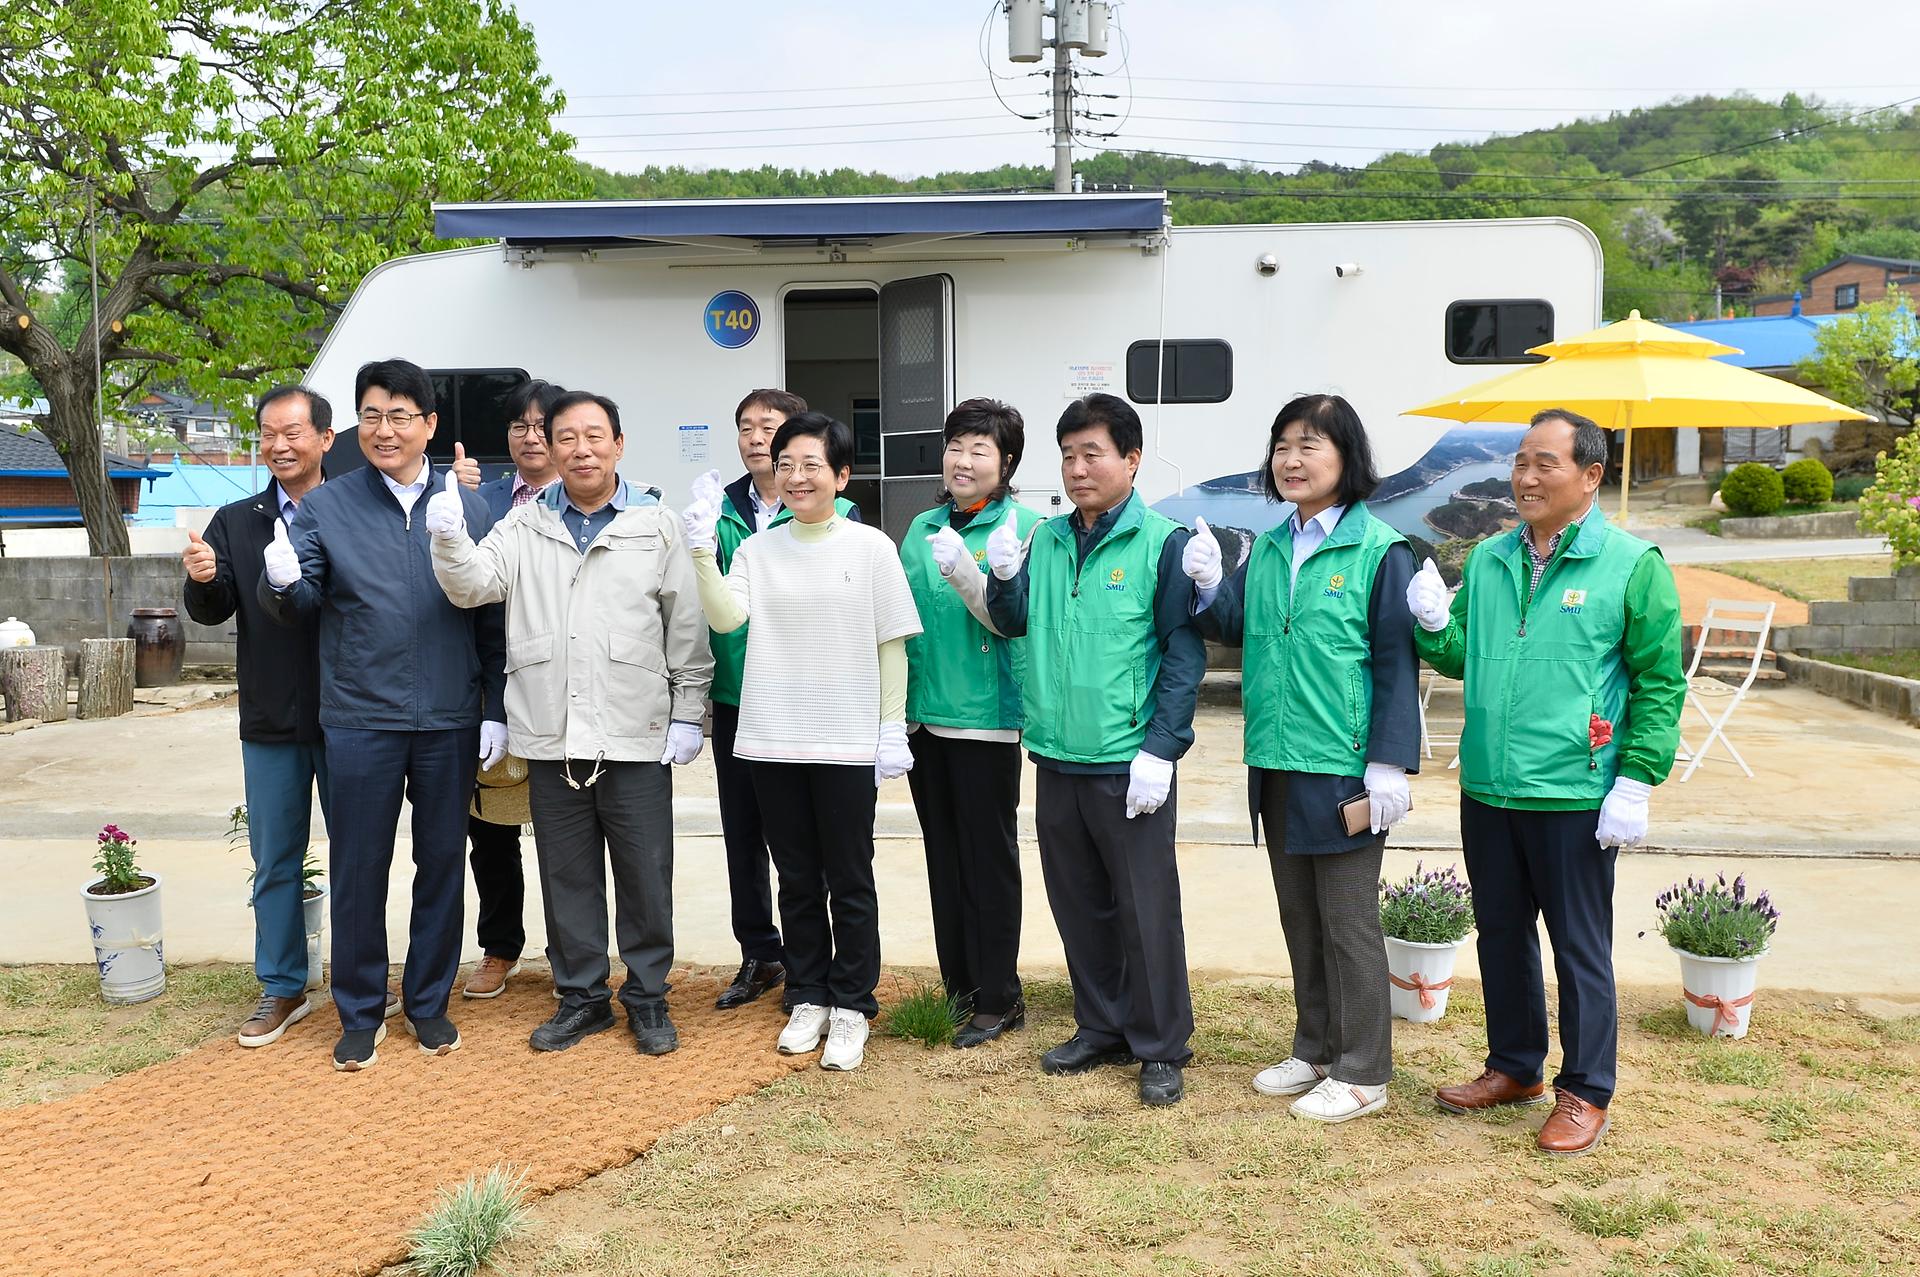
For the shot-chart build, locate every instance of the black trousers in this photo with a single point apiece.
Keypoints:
(749, 866)
(502, 886)
(965, 793)
(1526, 865)
(1115, 893)
(822, 844)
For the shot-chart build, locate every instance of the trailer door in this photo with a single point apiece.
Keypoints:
(916, 393)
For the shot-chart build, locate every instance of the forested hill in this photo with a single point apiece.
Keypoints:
(1734, 191)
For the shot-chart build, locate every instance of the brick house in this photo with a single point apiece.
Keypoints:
(1843, 284)
(34, 488)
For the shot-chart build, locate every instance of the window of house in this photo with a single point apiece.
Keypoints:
(1195, 370)
(1497, 331)
(1846, 296)
(472, 403)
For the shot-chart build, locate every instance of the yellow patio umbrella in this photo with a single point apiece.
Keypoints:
(1635, 374)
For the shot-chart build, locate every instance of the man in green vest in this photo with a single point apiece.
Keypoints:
(1113, 672)
(1566, 631)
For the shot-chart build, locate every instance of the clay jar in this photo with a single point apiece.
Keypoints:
(159, 646)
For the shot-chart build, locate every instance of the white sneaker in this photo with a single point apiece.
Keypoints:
(1289, 1077)
(1337, 1101)
(805, 1027)
(846, 1040)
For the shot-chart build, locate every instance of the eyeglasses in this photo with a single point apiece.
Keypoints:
(521, 429)
(399, 418)
(809, 470)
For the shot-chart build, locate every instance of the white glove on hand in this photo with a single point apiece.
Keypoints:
(282, 564)
(1623, 817)
(892, 756)
(493, 744)
(949, 551)
(1428, 599)
(700, 519)
(446, 517)
(1388, 798)
(1148, 781)
(1201, 559)
(683, 743)
(708, 487)
(1003, 548)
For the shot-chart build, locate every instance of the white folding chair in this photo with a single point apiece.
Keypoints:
(1729, 617)
(1432, 679)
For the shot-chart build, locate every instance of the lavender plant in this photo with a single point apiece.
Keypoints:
(1716, 920)
(1432, 906)
(114, 863)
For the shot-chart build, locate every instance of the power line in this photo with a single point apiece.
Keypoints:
(1524, 88)
(733, 93)
(798, 128)
(763, 110)
(758, 146)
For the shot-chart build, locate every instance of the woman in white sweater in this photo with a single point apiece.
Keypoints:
(823, 700)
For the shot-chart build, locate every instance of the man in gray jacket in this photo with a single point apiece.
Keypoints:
(607, 674)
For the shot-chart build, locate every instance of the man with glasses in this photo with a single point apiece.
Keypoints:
(410, 705)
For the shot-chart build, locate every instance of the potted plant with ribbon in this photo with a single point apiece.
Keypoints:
(313, 895)
(1720, 934)
(123, 912)
(1426, 918)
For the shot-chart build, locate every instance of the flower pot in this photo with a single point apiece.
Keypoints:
(1419, 976)
(1719, 992)
(313, 905)
(126, 942)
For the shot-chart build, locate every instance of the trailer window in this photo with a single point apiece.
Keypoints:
(1497, 332)
(472, 403)
(1193, 371)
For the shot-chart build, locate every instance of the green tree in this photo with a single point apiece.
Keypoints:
(1867, 360)
(225, 172)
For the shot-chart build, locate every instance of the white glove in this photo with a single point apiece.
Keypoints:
(1388, 798)
(282, 564)
(1201, 560)
(700, 519)
(708, 487)
(892, 756)
(446, 517)
(949, 551)
(1623, 817)
(1148, 781)
(683, 743)
(1427, 598)
(493, 744)
(1003, 548)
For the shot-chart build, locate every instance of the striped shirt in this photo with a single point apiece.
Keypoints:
(1541, 558)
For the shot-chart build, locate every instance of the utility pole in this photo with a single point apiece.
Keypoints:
(1077, 24)
(1062, 120)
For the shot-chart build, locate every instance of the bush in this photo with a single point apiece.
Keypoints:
(1851, 487)
(1891, 506)
(1807, 482)
(1713, 920)
(1433, 907)
(1753, 491)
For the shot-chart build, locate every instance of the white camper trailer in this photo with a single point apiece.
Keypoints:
(886, 311)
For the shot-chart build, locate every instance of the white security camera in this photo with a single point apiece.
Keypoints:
(1347, 270)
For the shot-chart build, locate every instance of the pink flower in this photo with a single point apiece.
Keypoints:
(1599, 732)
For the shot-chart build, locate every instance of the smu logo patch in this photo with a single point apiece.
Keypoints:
(1335, 583)
(1116, 579)
(980, 556)
(1573, 601)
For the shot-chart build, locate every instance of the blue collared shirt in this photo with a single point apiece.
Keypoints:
(285, 504)
(585, 527)
(1311, 535)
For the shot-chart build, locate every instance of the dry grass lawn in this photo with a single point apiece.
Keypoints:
(1808, 580)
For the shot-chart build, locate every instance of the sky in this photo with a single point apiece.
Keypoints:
(902, 87)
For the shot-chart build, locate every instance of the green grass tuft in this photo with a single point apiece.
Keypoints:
(1736, 1066)
(1628, 1216)
(928, 1015)
(467, 1223)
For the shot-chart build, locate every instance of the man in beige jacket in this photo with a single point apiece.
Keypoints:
(607, 671)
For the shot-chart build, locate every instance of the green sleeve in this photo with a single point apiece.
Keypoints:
(1656, 676)
(1446, 650)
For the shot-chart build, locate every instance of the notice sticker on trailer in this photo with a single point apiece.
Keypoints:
(1089, 378)
(732, 319)
(693, 445)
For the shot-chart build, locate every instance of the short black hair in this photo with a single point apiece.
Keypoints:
(1111, 411)
(784, 402)
(532, 393)
(999, 422)
(398, 377)
(317, 406)
(1333, 419)
(1590, 442)
(837, 436)
(573, 399)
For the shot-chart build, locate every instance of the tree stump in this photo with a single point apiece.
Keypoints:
(106, 677)
(35, 682)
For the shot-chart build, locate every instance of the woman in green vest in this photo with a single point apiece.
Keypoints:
(963, 705)
(1330, 695)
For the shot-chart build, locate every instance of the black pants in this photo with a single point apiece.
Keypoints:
(822, 843)
(501, 885)
(1115, 893)
(749, 867)
(1526, 865)
(965, 793)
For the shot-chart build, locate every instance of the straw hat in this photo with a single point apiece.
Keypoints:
(500, 793)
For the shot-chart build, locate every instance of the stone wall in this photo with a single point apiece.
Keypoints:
(1879, 614)
(1869, 689)
(68, 599)
(1828, 523)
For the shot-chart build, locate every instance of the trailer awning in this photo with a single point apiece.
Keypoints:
(862, 217)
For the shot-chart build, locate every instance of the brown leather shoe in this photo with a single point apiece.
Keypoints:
(1490, 1090)
(1574, 1128)
(489, 979)
(272, 1018)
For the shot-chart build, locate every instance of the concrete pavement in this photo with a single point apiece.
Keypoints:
(1692, 545)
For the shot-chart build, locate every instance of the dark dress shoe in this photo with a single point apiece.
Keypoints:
(1077, 1055)
(1160, 1083)
(571, 1022)
(653, 1032)
(753, 979)
(970, 1034)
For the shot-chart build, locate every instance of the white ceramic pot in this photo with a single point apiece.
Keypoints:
(126, 942)
(1421, 975)
(15, 632)
(314, 909)
(1719, 992)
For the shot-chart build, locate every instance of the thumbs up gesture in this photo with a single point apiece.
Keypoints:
(282, 564)
(1004, 551)
(949, 551)
(465, 468)
(198, 559)
(1201, 559)
(445, 516)
(1427, 598)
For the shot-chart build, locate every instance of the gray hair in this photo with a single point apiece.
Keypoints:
(1590, 443)
(317, 406)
